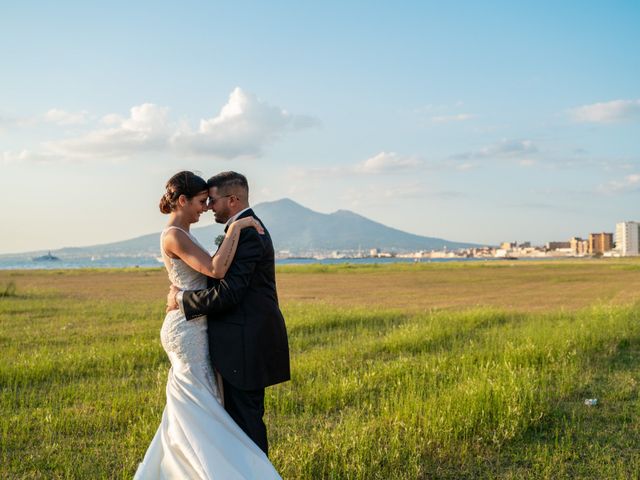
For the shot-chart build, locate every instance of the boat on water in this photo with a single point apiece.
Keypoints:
(46, 258)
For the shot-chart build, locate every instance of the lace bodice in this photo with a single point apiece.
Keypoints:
(186, 341)
(181, 274)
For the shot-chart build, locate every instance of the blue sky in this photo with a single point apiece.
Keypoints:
(471, 121)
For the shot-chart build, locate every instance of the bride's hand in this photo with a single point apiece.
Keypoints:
(249, 222)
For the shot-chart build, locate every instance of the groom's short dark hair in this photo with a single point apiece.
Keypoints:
(226, 181)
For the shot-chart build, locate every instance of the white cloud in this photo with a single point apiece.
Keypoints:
(55, 116)
(12, 157)
(463, 167)
(387, 162)
(630, 183)
(146, 129)
(9, 157)
(460, 117)
(62, 117)
(383, 162)
(11, 122)
(504, 149)
(607, 112)
(512, 148)
(443, 113)
(243, 128)
(112, 119)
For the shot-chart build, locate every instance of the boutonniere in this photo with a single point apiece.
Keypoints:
(219, 240)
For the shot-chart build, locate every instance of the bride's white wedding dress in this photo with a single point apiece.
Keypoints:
(197, 439)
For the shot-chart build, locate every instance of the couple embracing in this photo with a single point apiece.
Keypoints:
(224, 334)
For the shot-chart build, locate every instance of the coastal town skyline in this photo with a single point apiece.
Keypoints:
(300, 232)
(474, 123)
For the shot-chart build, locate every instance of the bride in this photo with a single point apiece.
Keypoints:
(196, 439)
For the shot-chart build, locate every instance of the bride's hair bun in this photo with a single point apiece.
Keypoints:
(165, 203)
(182, 183)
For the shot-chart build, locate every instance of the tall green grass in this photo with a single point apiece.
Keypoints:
(375, 393)
(8, 290)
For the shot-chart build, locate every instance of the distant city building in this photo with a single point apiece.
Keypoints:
(600, 243)
(628, 238)
(508, 245)
(557, 245)
(483, 252)
(579, 246)
(525, 245)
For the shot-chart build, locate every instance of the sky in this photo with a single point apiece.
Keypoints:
(471, 121)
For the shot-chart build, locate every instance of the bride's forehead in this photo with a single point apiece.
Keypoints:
(201, 195)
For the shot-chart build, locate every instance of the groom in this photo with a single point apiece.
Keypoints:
(248, 342)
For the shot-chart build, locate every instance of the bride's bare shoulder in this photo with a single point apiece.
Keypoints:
(175, 237)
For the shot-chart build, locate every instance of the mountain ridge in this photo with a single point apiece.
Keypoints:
(294, 228)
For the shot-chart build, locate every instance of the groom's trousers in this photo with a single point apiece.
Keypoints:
(246, 407)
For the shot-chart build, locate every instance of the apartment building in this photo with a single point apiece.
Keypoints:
(579, 246)
(628, 238)
(600, 243)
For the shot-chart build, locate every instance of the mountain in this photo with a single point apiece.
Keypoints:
(293, 228)
(297, 229)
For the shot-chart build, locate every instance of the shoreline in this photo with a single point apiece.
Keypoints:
(128, 263)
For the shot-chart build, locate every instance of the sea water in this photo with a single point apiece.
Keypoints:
(21, 262)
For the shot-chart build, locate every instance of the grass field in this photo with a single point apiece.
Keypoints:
(399, 372)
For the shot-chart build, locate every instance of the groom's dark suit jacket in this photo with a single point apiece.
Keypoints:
(247, 334)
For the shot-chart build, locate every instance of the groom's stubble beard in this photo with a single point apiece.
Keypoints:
(219, 217)
(222, 214)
